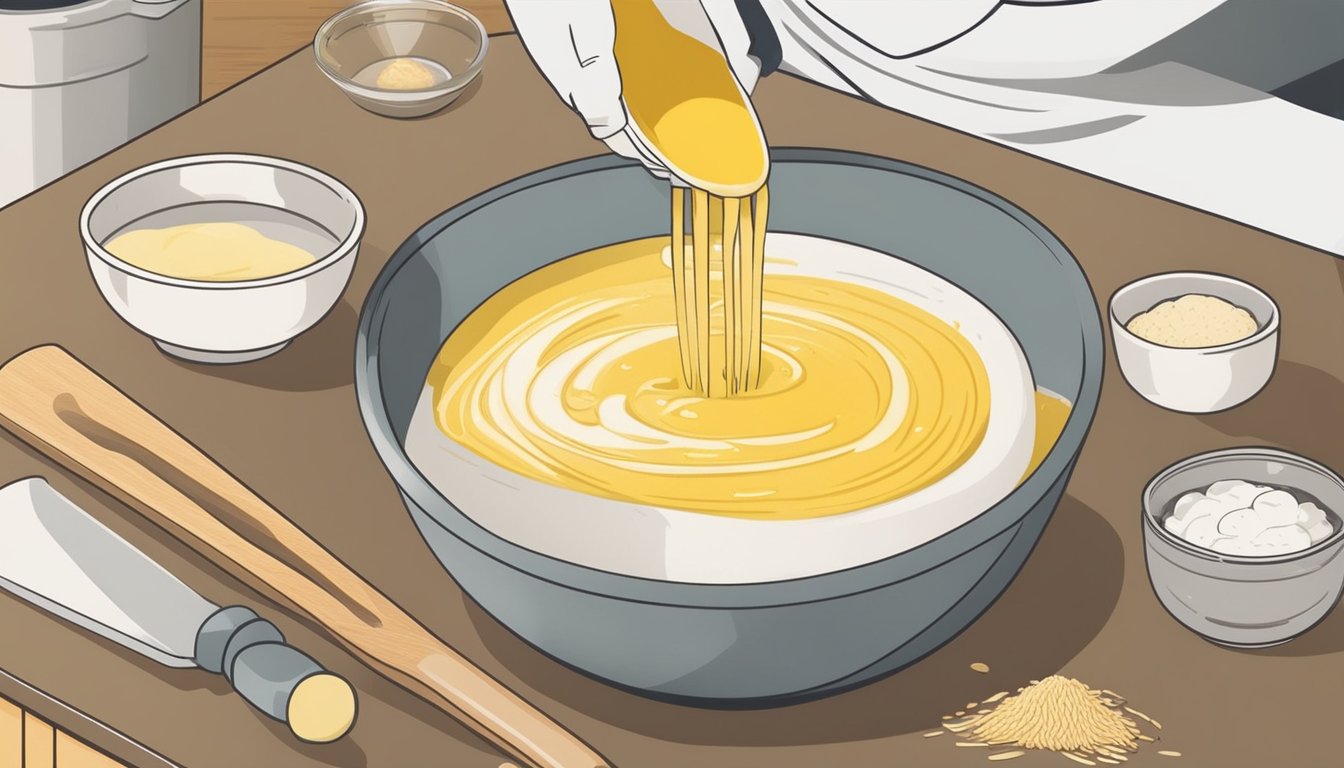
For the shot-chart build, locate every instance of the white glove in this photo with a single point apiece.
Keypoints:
(571, 42)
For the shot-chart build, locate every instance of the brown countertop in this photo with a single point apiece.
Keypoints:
(289, 427)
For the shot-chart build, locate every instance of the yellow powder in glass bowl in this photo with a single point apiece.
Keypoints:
(1193, 321)
(405, 74)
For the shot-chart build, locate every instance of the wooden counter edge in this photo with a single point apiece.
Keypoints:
(66, 718)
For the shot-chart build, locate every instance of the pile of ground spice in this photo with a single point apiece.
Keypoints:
(1194, 321)
(1059, 714)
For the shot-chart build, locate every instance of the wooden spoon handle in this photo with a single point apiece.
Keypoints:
(56, 404)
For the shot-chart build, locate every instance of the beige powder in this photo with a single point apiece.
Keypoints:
(405, 75)
(1194, 320)
(1058, 714)
(214, 251)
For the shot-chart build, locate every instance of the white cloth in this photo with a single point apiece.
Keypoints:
(1097, 85)
(1035, 77)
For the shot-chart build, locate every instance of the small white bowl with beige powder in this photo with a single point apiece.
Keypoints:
(222, 258)
(1195, 342)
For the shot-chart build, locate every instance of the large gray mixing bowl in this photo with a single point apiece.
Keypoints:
(737, 644)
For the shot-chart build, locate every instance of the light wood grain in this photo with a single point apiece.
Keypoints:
(59, 406)
(11, 735)
(28, 741)
(39, 742)
(73, 753)
(241, 37)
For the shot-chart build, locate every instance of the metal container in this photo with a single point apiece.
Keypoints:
(80, 77)
(1246, 602)
(735, 644)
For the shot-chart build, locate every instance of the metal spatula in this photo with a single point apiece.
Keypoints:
(54, 555)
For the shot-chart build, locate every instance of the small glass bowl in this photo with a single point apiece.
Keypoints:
(354, 46)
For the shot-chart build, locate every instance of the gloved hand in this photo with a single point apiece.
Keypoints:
(571, 42)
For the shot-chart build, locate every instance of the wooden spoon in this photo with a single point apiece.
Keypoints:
(59, 406)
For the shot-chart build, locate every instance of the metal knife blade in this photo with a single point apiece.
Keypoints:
(53, 554)
(56, 556)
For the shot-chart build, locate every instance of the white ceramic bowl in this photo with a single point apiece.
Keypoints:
(225, 322)
(352, 47)
(1199, 379)
(1235, 600)
(676, 545)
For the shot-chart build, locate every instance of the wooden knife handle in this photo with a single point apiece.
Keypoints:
(58, 405)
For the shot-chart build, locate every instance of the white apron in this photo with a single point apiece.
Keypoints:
(1092, 86)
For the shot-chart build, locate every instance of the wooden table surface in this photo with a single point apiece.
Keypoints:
(289, 427)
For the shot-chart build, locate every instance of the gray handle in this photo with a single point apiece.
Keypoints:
(275, 677)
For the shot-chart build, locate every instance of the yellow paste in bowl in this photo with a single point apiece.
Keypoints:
(209, 251)
(405, 74)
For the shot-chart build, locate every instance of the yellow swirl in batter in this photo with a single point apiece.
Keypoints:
(571, 376)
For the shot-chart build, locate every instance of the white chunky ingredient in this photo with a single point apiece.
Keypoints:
(1240, 518)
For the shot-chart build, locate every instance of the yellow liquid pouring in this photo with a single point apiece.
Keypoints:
(570, 376)
(211, 251)
(795, 398)
(694, 114)
(684, 99)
